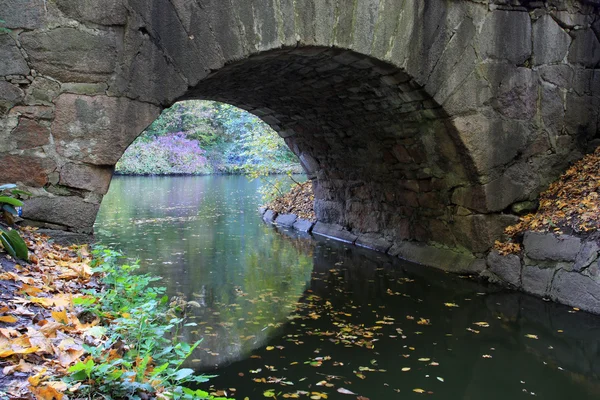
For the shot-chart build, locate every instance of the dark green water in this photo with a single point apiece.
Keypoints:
(291, 314)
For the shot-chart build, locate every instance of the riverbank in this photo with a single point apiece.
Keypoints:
(80, 324)
(552, 252)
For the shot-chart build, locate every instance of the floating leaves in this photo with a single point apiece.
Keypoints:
(530, 336)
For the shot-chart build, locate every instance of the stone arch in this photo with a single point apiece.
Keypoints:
(463, 106)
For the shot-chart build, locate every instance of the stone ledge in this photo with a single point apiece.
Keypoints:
(564, 268)
(286, 220)
(444, 259)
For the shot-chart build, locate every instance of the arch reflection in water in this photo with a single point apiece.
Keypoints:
(203, 236)
(360, 314)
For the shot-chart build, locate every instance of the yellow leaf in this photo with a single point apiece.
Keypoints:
(405, 369)
(451, 305)
(417, 390)
(530, 336)
(8, 319)
(36, 379)
(269, 348)
(60, 316)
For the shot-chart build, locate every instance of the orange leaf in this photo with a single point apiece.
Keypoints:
(46, 393)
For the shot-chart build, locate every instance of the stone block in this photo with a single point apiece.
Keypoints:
(29, 134)
(506, 35)
(97, 130)
(491, 142)
(334, 231)
(550, 42)
(13, 62)
(478, 232)
(507, 268)
(373, 241)
(517, 96)
(585, 48)
(586, 256)
(102, 12)
(286, 220)
(269, 216)
(262, 210)
(28, 170)
(9, 96)
(69, 211)
(72, 55)
(491, 197)
(42, 91)
(89, 177)
(576, 290)
(65, 238)
(437, 257)
(549, 247)
(23, 14)
(303, 225)
(537, 281)
(559, 75)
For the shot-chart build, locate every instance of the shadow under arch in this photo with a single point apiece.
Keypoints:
(384, 157)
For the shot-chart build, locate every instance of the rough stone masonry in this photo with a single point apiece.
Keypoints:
(424, 125)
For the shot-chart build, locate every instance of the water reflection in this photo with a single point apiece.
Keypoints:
(201, 234)
(313, 315)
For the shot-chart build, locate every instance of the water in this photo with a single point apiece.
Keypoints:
(288, 315)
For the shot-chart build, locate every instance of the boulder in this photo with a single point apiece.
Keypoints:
(303, 225)
(69, 211)
(507, 268)
(537, 280)
(286, 220)
(586, 256)
(269, 216)
(576, 290)
(550, 247)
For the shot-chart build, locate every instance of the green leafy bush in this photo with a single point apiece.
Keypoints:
(10, 238)
(138, 353)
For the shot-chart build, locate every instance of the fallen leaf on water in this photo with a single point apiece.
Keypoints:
(417, 390)
(405, 369)
(530, 336)
(451, 305)
(344, 391)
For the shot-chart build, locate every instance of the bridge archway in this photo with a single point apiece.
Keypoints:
(420, 122)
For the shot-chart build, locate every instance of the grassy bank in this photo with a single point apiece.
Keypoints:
(84, 325)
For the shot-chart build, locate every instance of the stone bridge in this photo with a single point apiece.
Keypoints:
(426, 125)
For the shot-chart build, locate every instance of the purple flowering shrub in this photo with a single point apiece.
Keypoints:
(170, 154)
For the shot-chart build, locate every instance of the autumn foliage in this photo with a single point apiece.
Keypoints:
(570, 205)
(300, 201)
